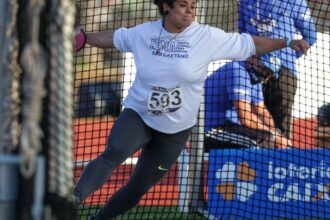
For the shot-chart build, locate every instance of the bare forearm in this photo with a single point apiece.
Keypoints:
(267, 119)
(252, 121)
(266, 45)
(102, 39)
(248, 116)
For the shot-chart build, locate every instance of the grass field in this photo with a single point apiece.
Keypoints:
(145, 213)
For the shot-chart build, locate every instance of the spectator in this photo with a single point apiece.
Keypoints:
(234, 103)
(279, 19)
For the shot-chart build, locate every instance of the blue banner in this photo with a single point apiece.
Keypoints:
(264, 183)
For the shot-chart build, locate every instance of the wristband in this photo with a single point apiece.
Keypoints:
(288, 42)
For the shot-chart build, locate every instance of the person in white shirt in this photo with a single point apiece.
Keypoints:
(171, 56)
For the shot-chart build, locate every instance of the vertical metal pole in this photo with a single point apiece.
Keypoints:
(183, 168)
(196, 161)
(195, 175)
(8, 186)
(39, 189)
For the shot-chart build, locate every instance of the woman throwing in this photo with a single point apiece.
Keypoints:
(171, 57)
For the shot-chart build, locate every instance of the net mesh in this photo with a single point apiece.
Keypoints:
(223, 174)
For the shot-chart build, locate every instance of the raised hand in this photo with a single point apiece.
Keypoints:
(80, 39)
(300, 46)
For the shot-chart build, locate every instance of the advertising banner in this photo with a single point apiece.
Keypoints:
(265, 183)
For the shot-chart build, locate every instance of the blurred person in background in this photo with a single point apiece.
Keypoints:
(234, 103)
(279, 19)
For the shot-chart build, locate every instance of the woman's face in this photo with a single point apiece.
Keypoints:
(181, 15)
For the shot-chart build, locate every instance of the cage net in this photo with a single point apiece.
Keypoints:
(36, 135)
(224, 172)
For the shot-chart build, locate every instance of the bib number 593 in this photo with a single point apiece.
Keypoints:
(162, 100)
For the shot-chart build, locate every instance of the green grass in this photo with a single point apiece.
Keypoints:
(145, 213)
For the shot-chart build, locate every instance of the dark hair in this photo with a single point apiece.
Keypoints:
(323, 115)
(159, 3)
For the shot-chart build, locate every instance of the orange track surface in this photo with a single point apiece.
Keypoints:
(90, 136)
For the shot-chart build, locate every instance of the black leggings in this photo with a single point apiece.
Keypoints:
(128, 135)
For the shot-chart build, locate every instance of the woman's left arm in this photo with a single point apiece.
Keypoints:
(266, 45)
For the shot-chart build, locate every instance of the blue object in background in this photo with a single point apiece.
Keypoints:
(99, 99)
(265, 183)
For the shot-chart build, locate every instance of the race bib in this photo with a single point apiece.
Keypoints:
(163, 100)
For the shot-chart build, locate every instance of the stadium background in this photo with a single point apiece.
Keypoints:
(82, 96)
(116, 71)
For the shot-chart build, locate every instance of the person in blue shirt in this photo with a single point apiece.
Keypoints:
(234, 103)
(279, 19)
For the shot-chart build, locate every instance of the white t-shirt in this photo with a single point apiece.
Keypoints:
(171, 69)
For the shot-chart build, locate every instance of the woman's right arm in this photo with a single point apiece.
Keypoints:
(102, 39)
